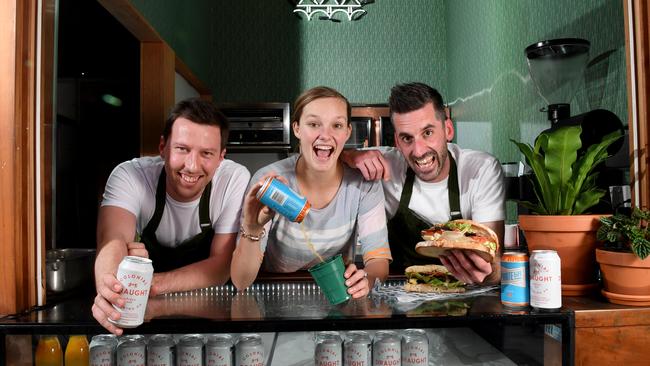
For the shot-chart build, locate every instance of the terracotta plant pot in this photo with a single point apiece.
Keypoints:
(626, 278)
(574, 239)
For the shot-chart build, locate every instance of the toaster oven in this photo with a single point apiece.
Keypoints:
(257, 124)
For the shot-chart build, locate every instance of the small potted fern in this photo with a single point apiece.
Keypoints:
(623, 258)
(564, 182)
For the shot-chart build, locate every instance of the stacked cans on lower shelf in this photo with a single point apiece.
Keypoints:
(409, 347)
(188, 350)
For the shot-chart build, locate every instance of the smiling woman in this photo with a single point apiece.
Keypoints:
(342, 203)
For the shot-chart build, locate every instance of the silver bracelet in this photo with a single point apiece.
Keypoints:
(248, 236)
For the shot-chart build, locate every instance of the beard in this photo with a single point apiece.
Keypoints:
(429, 174)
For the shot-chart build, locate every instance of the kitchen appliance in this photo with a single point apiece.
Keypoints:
(557, 67)
(371, 126)
(257, 126)
(68, 269)
(259, 133)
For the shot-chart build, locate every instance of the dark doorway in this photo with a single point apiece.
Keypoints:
(97, 124)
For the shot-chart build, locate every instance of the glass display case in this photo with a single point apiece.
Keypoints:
(465, 331)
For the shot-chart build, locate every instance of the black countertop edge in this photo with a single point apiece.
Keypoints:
(196, 325)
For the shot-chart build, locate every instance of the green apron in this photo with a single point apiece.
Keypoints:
(189, 251)
(404, 228)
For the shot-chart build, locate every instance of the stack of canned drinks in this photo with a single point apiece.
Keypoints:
(536, 282)
(188, 350)
(390, 348)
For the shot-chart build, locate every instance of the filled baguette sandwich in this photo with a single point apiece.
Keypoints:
(431, 278)
(459, 234)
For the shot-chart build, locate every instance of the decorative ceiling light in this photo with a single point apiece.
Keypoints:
(353, 9)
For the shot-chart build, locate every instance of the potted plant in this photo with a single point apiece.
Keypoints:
(623, 258)
(564, 182)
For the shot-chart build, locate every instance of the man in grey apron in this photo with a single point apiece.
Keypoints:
(180, 209)
(427, 180)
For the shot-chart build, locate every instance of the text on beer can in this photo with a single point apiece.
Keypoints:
(283, 200)
(131, 350)
(329, 351)
(386, 349)
(545, 280)
(135, 274)
(102, 350)
(415, 347)
(515, 279)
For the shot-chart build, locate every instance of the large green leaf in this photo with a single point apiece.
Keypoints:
(564, 182)
(560, 152)
(586, 200)
(535, 160)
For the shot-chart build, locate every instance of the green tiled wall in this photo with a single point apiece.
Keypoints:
(489, 86)
(258, 50)
(471, 50)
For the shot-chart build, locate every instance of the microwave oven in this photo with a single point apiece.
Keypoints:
(371, 126)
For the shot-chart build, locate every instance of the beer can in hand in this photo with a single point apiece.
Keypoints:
(283, 200)
(545, 280)
(135, 275)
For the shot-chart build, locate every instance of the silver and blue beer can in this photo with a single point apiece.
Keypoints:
(515, 281)
(283, 200)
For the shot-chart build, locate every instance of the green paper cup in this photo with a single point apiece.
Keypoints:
(329, 277)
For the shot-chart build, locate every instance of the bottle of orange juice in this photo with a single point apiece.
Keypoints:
(76, 352)
(48, 352)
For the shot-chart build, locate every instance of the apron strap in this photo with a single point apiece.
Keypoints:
(453, 191)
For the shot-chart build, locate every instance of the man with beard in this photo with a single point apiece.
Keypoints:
(181, 209)
(427, 179)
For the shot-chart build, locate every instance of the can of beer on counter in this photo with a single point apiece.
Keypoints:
(249, 350)
(131, 350)
(329, 350)
(282, 199)
(218, 350)
(386, 348)
(415, 347)
(160, 350)
(102, 350)
(545, 280)
(357, 349)
(189, 350)
(515, 280)
(135, 274)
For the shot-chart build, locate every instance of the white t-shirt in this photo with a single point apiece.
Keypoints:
(132, 186)
(480, 178)
(354, 216)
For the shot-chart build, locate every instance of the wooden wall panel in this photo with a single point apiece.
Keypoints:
(17, 164)
(639, 82)
(157, 77)
(47, 128)
(627, 346)
(131, 19)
